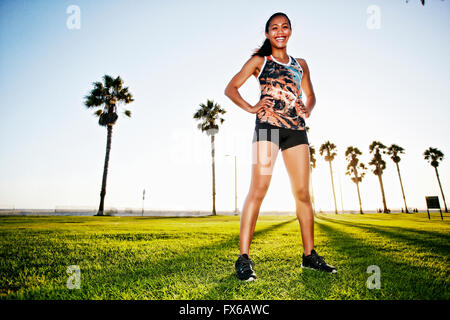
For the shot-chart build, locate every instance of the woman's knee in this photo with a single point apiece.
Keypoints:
(301, 194)
(257, 193)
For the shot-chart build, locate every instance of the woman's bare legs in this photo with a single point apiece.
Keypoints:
(296, 160)
(264, 154)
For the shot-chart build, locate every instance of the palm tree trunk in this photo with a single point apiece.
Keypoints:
(401, 185)
(213, 176)
(359, 198)
(442, 193)
(332, 184)
(105, 172)
(382, 193)
(357, 188)
(340, 192)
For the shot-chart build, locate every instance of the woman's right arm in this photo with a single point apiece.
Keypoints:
(231, 91)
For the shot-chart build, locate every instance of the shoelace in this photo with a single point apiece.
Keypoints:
(246, 265)
(318, 259)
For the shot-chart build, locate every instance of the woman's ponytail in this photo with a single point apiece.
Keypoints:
(264, 50)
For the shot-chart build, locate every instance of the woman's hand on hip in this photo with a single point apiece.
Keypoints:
(265, 102)
(304, 109)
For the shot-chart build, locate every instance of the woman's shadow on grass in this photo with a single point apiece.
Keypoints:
(400, 278)
(431, 240)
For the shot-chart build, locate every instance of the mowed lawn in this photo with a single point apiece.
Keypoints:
(193, 258)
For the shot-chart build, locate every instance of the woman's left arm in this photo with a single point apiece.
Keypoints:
(307, 88)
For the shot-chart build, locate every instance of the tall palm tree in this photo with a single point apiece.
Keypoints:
(209, 115)
(358, 169)
(434, 155)
(328, 149)
(377, 148)
(106, 97)
(394, 151)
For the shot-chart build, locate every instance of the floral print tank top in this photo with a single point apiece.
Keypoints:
(281, 81)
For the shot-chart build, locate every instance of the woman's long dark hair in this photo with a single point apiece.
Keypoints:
(266, 48)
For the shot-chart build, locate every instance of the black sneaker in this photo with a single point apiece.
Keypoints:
(244, 268)
(316, 262)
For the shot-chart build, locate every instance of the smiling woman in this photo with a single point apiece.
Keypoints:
(279, 124)
(281, 81)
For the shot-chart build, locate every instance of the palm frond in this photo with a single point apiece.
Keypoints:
(98, 85)
(117, 83)
(108, 80)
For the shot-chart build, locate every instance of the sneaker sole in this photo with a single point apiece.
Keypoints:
(248, 280)
(332, 272)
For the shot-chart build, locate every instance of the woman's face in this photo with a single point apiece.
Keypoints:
(279, 32)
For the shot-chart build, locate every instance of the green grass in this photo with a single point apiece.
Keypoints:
(193, 258)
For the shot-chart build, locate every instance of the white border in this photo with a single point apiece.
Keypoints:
(284, 64)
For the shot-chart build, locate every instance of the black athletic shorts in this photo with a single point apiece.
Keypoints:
(284, 138)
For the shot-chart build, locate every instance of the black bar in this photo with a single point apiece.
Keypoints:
(213, 309)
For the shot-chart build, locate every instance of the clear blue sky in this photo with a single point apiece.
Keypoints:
(388, 84)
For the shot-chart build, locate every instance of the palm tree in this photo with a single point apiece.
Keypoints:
(106, 97)
(434, 155)
(209, 114)
(377, 148)
(351, 155)
(327, 149)
(394, 151)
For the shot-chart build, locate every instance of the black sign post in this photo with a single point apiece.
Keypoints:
(433, 203)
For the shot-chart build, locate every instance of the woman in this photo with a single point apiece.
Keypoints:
(280, 124)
